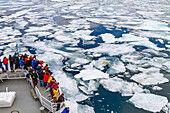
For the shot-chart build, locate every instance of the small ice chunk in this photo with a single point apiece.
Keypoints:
(149, 102)
(97, 94)
(156, 88)
(91, 74)
(84, 89)
(99, 100)
(108, 38)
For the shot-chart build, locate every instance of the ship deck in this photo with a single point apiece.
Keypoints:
(24, 102)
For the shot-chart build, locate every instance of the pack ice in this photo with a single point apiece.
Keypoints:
(91, 74)
(113, 49)
(150, 76)
(118, 85)
(149, 102)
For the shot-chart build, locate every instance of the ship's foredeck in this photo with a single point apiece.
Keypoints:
(24, 102)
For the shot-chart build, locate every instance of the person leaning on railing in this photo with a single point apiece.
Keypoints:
(60, 100)
(34, 78)
(5, 61)
(11, 62)
(55, 92)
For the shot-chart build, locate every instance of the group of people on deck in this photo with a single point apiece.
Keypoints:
(16, 62)
(37, 72)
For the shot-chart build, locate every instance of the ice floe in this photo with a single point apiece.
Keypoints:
(119, 85)
(85, 109)
(150, 76)
(116, 66)
(85, 34)
(10, 31)
(102, 20)
(17, 14)
(108, 38)
(151, 25)
(149, 102)
(20, 23)
(46, 47)
(113, 49)
(90, 87)
(91, 74)
(132, 67)
(85, 90)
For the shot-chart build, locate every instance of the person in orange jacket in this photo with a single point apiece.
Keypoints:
(5, 62)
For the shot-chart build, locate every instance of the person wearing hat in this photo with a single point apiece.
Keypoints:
(60, 100)
(5, 61)
(55, 92)
(45, 79)
(34, 78)
(16, 62)
(41, 77)
(21, 61)
(66, 110)
(49, 79)
(11, 62)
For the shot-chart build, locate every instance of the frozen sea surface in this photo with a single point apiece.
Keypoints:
(103, 52)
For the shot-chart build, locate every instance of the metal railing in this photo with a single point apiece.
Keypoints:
(13, 75)
(44, 101)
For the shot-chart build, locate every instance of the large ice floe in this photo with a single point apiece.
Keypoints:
(119, 85)
(149, 102)
(150, 76)
(89, 74)
(151, 25)
(113, 49)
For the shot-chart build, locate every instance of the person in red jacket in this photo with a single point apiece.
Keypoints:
(46, 66)
(5, 61)
(41, 63)
(45, 79)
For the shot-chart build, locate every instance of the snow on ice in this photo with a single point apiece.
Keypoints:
(149, 102)
(119, 85)
(89, 74)
(150, 76)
